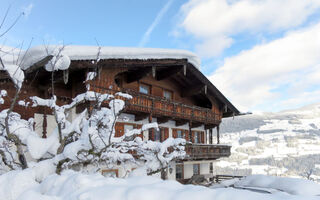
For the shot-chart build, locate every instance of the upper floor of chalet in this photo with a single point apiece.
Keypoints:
(166, 84)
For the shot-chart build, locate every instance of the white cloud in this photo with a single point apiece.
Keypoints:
(208, 20)
(156, 21)
(219, 43)
(289, 65)
(27, 10)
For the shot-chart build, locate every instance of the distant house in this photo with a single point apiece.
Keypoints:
(167, 87)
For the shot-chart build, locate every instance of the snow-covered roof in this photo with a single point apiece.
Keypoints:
(74, 52)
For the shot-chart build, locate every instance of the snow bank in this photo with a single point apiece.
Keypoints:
(14, 183)
(293, 186)
(74, 185)
(72, 52)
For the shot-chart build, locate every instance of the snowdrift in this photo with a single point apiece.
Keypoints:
(21, 185)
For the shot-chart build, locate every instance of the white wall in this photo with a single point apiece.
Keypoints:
(51, 124)
(172, 175)
(188, 170)
(204, 168)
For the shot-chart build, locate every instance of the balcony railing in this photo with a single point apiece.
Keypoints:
(206, 151)
(160, 107)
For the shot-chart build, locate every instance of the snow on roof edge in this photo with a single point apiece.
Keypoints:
(75, 52)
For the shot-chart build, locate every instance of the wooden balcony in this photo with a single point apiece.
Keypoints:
(206, 151)
(142, 104)
(160, 107)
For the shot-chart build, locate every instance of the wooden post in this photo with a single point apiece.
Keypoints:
(153, 71)
(190, 131)
(44, 124)
(210, 136)
(151, 131)
(218, 134)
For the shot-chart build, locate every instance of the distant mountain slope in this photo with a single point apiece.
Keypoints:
(286, 143)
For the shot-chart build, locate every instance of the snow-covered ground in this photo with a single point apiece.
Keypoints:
(286, 143)
(21, 185)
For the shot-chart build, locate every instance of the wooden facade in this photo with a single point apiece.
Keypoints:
(162, 89)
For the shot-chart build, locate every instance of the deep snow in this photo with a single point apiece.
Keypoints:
(21, 185)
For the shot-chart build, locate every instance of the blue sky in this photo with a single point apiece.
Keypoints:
(263, 55)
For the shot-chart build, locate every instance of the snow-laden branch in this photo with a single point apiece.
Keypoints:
(90, 138)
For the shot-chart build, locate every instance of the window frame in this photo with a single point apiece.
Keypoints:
(182, 171)
(193, 169)
(169, 91)
(197, 137)
(147, 85)
(116, 171)
(211, 168)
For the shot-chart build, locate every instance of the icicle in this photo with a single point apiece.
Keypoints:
(65, 76)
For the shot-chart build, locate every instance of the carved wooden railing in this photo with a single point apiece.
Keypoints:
(167, 108)
(159, 106)
(206, 151)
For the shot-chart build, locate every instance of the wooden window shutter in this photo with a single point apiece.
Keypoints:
(186, 135)
(192, 136)
(161, 134)
(202, 137)
(174, 133)
(119, 128)
(166, 133)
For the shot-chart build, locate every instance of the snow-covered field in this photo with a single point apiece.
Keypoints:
(21, 185)
(285, 143)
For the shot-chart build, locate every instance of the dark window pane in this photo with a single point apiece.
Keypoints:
(196, 169)
(179, 172)
(157, 135)
(211, 168)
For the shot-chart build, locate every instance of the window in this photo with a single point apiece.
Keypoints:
(211, 168)
(180, 134)
(157, 135)
(110, 173)
(196, 137)
(144, 89)
(167, 94)
(179, 171)
(128, 128)
(196, 169)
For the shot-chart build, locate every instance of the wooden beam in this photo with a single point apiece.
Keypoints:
(39, 64)
(141, 116)
(181, 122)
(168, 72)
(209, 126)
(194, 124)
(162, 120)
(153, 71)
(218, 134)
(210, 136)
(136, 75)
(187, 92)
